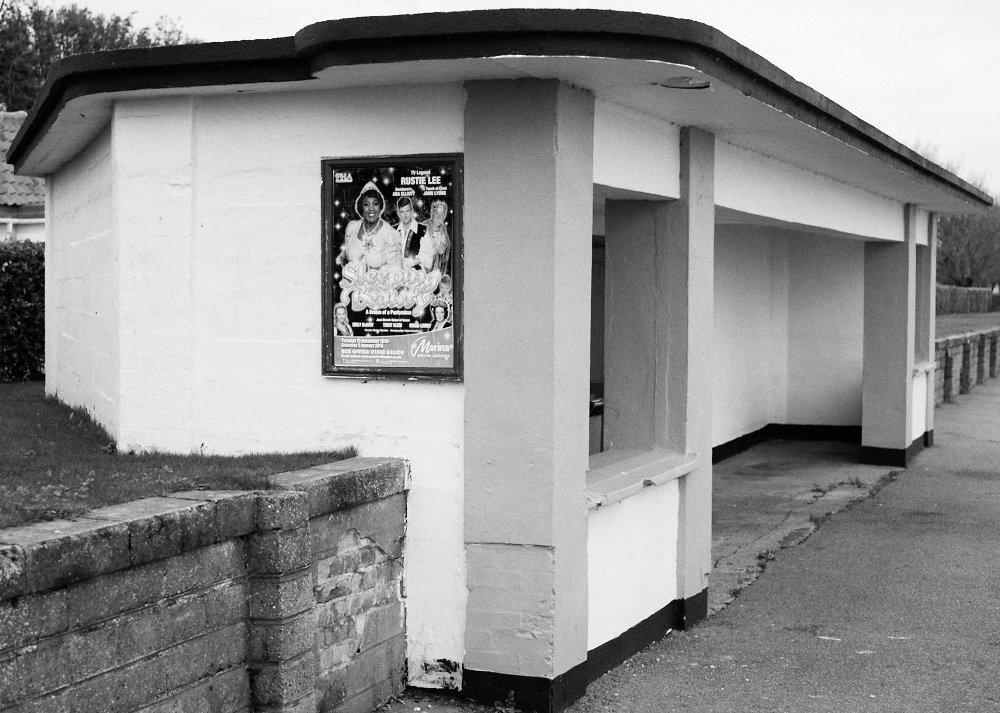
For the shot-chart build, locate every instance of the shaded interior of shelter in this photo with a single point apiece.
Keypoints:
(788, 335)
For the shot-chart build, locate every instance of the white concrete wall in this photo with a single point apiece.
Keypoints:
(751, 330)
(789, 330)
(825, 331)
(631, 560)
(635, 152)
(784, 192)
(154, 211)
(81, 278)
(221, 332)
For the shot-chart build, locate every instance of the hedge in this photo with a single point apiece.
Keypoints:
(963, 300)
(22, 310)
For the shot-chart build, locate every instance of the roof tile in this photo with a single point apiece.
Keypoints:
(16, 190)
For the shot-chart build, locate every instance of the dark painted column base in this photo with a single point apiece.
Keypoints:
(545, 695)
(897, 457)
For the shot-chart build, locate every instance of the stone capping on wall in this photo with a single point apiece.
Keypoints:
(50, 554)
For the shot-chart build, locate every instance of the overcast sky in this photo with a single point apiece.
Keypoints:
(926, 72)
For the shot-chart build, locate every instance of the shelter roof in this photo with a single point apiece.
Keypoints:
(679, 70)
(16, 190)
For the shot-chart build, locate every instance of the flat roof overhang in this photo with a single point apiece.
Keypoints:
(652, 64)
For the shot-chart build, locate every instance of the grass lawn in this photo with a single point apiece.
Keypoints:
(55, 462)
(949, 325)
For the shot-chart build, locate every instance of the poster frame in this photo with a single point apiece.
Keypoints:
(329, 253)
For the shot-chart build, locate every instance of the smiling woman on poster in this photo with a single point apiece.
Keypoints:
(371, 240)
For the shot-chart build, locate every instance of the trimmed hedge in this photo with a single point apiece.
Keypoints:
(966, 300)
(22, 310)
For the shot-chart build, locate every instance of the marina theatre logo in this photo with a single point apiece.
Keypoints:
(422, 345)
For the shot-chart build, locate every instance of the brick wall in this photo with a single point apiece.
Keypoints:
(280, 600)
(964, 361)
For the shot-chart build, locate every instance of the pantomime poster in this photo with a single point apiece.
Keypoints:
(392, 252)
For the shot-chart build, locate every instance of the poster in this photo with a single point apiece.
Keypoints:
(391, 248)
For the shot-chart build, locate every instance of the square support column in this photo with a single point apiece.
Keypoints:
(889, 341)
(685, 316)
(528, 226)
(926, 320)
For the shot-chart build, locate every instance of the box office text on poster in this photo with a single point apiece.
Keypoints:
(391, 261)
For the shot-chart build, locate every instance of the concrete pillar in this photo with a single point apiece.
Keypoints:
(981, 359)
(889, 339)
(925, 317)
(965, 375)
(685, 315)
(993, 354)
(528, 215)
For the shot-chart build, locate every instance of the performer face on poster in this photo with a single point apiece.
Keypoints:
(371, 208)
(439, 212)
(405, 213)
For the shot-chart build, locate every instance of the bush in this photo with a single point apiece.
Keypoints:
(22, 310)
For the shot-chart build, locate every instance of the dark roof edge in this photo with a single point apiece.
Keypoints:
(247, 61)
(471, 34)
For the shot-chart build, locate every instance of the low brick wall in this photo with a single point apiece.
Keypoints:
(963, 361)
(228, 601)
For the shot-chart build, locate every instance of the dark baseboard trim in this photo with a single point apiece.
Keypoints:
(531, 694)
(544, 695)
(788, 432)
(695, 610)
(896, 457)
(738, 445)
(611, 653)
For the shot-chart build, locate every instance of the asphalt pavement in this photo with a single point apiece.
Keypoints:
(891, 605)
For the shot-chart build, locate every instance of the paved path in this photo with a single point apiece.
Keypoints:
(893, 605)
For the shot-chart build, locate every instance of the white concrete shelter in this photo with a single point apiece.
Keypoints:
(650, 211)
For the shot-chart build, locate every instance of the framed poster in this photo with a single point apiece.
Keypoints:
(392, 267)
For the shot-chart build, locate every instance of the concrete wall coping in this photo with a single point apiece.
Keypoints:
(46, 555)
(955, 339)
(346, 483)
(618, 474)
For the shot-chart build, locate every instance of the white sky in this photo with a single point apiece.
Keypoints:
(926, 72)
